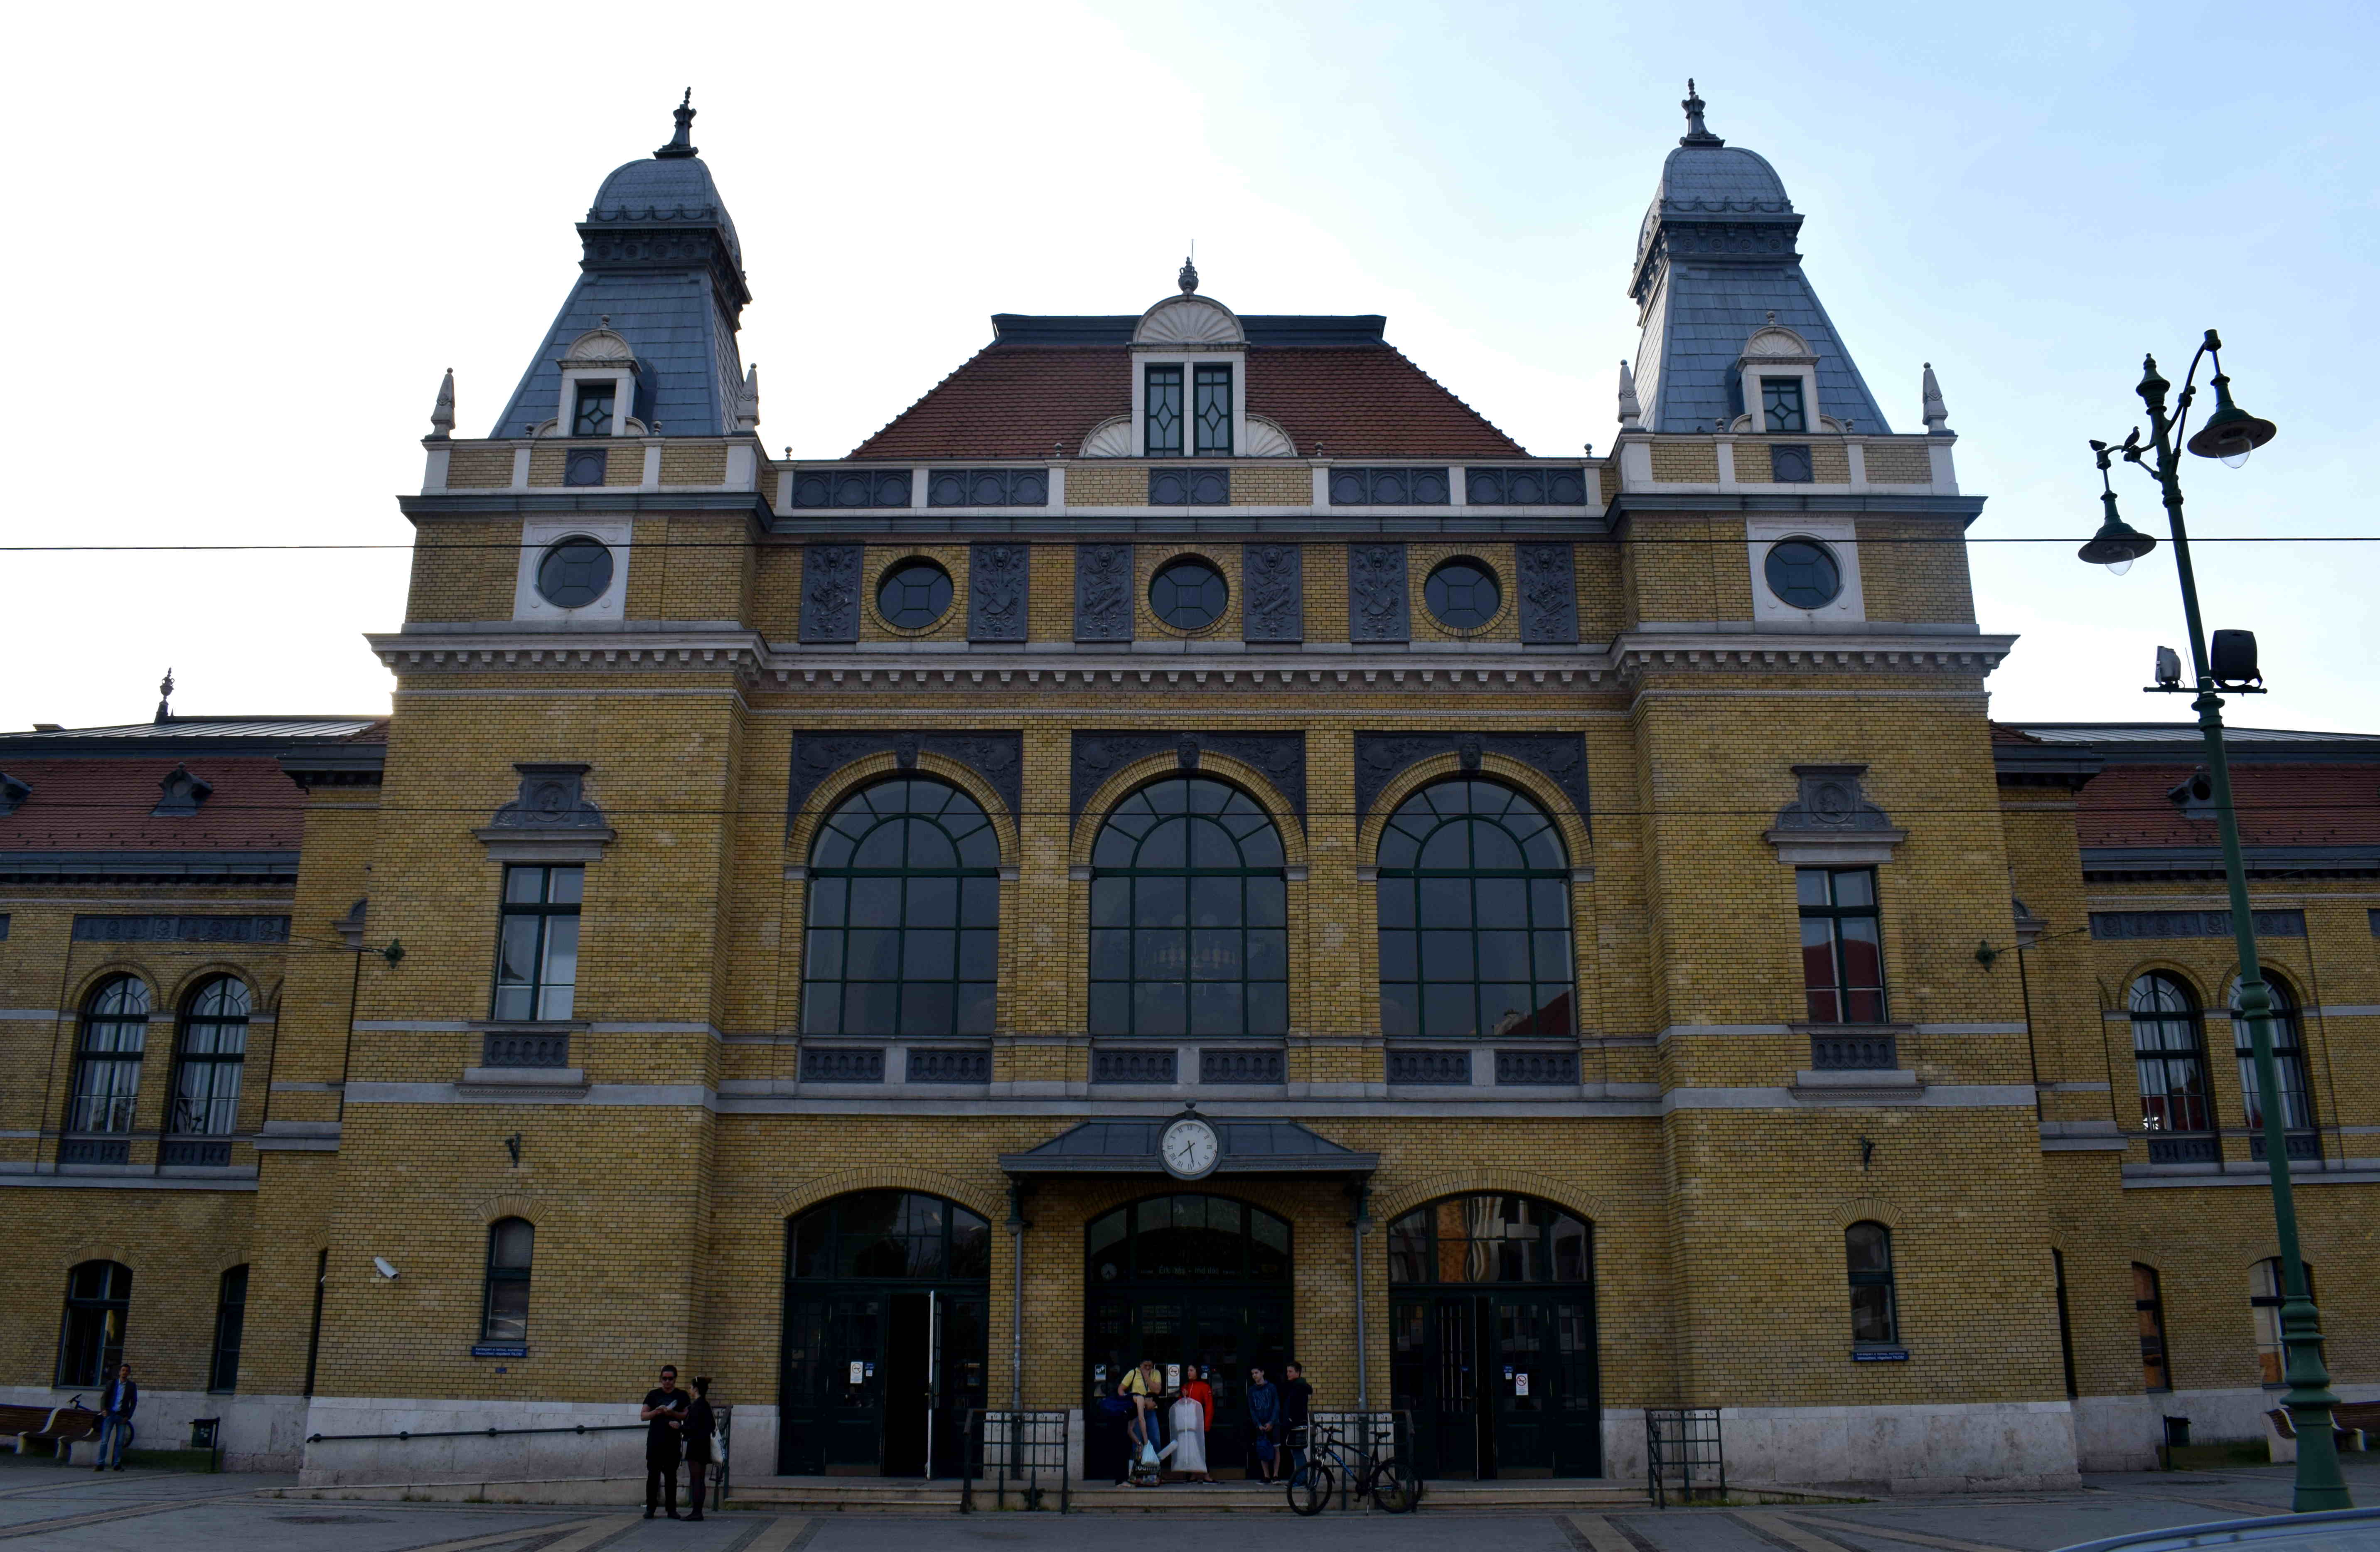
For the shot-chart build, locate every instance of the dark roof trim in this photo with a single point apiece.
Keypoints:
(1965, 508)
(356, 766)
(2045, 765)
(595, 499)
(2179, 744)
(125, 868)
(2110, 864)
(1276, 330)
(104, 743)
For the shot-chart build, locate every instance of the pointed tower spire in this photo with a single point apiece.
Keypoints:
(747, 402)
(442, 414)
(1632, 414)
(1938, 413)
(1695, 134)
(680, 145)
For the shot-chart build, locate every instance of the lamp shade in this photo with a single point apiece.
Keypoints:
(2116, 544)
(2230, 432)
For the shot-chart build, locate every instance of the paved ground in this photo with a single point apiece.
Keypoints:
(44, 1506)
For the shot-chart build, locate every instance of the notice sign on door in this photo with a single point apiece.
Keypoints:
(859, 1372)
(1520, 1384)
(1173, 1376)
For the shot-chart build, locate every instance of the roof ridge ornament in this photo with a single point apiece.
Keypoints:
(1632, 414)
(1937, 413)
(680, 145)
(1188, 278)
(442, 414)
(165, 697)
(1695, 134)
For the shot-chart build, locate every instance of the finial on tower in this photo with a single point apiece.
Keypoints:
(747, 400)
(680, 145)
(442, 414)
(1695, 134)
(1188, 278)
(1938, 413)
(164, 698)
(1632, 414)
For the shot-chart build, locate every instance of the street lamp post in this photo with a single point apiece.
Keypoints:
(2231, 434)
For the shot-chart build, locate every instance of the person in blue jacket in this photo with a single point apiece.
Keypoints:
(116, 1405)
(1265, 1417)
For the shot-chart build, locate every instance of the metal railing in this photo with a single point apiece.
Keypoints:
(1383, 1433)
(1684, 1455)
(1016, 1452)
(481, 1432)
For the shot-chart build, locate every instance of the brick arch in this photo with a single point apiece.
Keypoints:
(520, 1205)
(869, 769)
(1531, 781)
(97, 1251)
(208, 970)
(224, 1260)
(93, 979)
(810, 1194)
(2188, 975)
(1589, 1205)
(1156, 767)
(1867, 1209)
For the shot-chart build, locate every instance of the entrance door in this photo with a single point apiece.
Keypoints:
(1496, 1364)
(885, 1348)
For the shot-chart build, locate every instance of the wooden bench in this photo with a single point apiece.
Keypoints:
(2352, 1424)
(64, 1426)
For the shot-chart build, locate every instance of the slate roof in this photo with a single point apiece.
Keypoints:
(1247, 1146)
(674, 317)
(2179, 741)
(1044, 382)
(1710, 290)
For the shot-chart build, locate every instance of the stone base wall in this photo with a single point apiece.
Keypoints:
(470, 1455)
(2122, 1433)
(259, 1433)
(1945, 1449)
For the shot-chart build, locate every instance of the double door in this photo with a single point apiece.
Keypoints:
(1499, 1384)
(877, 1381)
(1224, 1334)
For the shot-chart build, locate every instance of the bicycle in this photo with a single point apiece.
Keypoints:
(1384, 1479)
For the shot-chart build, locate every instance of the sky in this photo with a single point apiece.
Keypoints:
(251, 237)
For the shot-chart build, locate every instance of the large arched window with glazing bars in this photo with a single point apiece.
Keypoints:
(1189, 915)
(1475, 915)
(904, 914)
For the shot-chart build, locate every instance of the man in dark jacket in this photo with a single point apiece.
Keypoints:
(116, 1405)
(664, 1416)
(701, 1423)
(1297, 1412)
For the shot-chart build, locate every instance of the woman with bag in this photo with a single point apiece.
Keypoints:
(1192, 1414)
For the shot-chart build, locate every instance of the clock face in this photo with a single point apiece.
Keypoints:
(1188, 1148)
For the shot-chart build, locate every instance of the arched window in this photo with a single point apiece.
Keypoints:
(208, 1058)
(2268, 1290)
(512, 1248)
(231, 1319)
(1186, 1239)
(1876, 1315)
(2288, 1024)
(107, 1065)
(1189, 915)
(2169, 1049)
(904, 914)
(1487, 1239)
(1475, 915)
(878, 1236)
(90, 1338)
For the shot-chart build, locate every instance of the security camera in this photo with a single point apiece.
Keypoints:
(380, 1265)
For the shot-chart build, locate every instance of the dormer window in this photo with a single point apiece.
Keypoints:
(1778, 375)
(1211, 407)
(1780, 403)
(593, 415)
(1164, 412)
(1188, 394)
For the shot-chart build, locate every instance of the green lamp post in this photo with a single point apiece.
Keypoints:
(2231, 434)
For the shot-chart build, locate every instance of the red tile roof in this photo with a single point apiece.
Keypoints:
(104, 806)
(2278, 806)
(1027, 401)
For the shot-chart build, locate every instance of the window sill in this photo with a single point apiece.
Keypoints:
(1865, 1084)
(1879, 1353)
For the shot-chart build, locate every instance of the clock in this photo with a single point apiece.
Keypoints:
(1189, 1148)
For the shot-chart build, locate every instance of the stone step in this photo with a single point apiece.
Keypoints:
(829, 1495)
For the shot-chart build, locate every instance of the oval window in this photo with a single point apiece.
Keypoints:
(1189, 594)
(1463, 595)
(914, 595)
(1803, 573)
(575, 573)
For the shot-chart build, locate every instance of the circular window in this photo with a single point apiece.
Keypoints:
(575, 573)
(1463, 595)
(1189, 594)
(914, 595)
(1802, 572)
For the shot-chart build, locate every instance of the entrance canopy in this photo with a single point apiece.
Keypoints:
(1247, 1147)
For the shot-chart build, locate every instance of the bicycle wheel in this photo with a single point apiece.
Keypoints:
(1395, 1489)
(1310, 1490)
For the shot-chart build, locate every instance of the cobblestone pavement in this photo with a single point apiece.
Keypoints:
(44, 1507)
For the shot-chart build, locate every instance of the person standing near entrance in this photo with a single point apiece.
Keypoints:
(1264, 1415)
(664, 1416)
(1296, 1414)
(701, 1423)
(116, 1405)
(1192, 1414)
(1143, 1387)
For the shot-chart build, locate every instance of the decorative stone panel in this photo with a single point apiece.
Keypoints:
(1272, 592)
(829, 593)
(1103, 592)
(1134, 1066)
(2192, 924)
(944, 1064)
(1537, 1067)
(1377, 606)
(181, 929)
(998, 591)
(1831, 822)
(842, 1065)
(1240, 1066)
(524, 1048)
(1281, 756)
(1549, 589)
(1560, 756)
(1430, 1067)
(997, 757)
